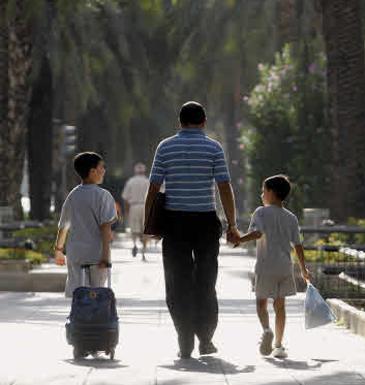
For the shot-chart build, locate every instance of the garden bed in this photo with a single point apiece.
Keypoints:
(28, 270)
(14, 256)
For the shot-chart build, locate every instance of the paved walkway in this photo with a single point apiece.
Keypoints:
(33, 349)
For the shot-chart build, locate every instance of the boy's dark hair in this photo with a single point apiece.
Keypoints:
(84, 162)
(192, 113)
(280, 184)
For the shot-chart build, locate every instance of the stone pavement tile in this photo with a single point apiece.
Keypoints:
(101, 374)
(335, 378)
(193, 371)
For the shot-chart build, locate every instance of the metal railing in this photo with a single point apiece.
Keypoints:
(339, 273)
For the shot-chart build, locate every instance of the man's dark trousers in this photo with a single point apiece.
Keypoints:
(190, 251)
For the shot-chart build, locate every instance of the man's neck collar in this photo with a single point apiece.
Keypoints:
(192, 130)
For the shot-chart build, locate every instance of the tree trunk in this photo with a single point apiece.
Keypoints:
(346, 89)
(4, 84)
(40, 137)
(13, 126)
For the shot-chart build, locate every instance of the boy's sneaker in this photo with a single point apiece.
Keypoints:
(280, 352)
(266, 342)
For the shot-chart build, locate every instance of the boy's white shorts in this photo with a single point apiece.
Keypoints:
(274, 286)
(97, 277)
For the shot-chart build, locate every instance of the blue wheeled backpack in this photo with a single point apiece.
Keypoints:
(92, 325)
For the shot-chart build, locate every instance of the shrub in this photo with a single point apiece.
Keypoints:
(286, 113)
(19, 254)
(43, 237)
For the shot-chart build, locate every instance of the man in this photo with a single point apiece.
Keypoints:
(134, 194)
(189, 163)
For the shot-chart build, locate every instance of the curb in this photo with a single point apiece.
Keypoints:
(351, 317)
(47, 279)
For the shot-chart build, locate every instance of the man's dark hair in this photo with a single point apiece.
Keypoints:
(280, 184)
(84, 162)
(192, 113)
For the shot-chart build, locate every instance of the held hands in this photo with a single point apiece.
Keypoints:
(233, 235)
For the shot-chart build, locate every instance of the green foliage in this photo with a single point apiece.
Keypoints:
(36, 233)
(325, 256)
(358, 238)
(22, 254)
(43, 237)
(288, 134)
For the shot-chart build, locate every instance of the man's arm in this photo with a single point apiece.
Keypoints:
(126, 207)
(153, 189)
(229, 207)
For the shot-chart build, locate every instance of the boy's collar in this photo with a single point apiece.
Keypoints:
(88, 184)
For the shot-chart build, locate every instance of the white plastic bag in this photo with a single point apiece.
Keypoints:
(317, 312)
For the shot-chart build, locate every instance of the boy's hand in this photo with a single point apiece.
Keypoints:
(59, 258)
(103, 264)
(305, 274)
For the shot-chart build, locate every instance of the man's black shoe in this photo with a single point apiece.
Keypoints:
(207, 348)
(183, 355)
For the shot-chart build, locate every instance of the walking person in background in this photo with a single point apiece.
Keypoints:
(134, 194)
(189, 163)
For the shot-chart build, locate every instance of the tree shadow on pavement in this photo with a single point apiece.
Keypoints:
(297, 365)
(212, 365)
(97, 363)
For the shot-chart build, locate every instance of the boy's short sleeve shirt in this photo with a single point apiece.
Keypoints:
(280, 231)
(85, 209)
(107, 210)
(256, 223)
(65, 217)
(296, 233)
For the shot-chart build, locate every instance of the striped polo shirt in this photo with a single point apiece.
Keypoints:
(189, 163)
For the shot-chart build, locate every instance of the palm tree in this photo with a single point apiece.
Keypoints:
(16, 58)
(342, 28)
(3, 94)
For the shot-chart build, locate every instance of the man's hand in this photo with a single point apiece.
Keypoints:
(233, 235)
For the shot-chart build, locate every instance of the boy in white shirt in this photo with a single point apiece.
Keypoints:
(86, 218)
(276, 231)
